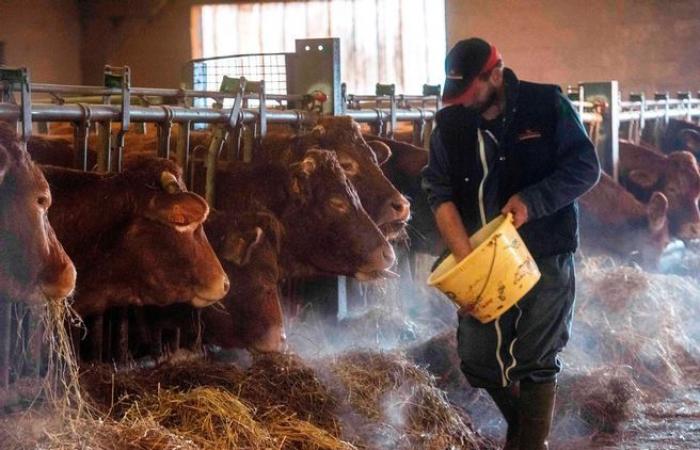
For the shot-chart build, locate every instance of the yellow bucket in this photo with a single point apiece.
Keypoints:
(494, 276)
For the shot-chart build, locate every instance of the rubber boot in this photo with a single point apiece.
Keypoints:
(535, 409)
(506, 399)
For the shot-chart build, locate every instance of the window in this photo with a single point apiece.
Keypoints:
(381, 41)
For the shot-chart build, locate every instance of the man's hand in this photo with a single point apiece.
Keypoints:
(518, 208)
(465, 311)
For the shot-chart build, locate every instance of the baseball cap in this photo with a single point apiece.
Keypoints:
(468, 59)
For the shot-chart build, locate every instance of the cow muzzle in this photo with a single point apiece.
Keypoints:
(378, 263)
(61, 285)
(274, 340)
(212, 293)
(689, 232)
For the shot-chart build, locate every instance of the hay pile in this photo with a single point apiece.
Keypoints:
(390, 391)
(360, 400)
(276, 403)
(628, 317)
(604, 398)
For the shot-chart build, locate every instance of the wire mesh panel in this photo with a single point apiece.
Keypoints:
(207, 73)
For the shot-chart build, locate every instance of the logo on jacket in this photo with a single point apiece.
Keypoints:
(529, 134)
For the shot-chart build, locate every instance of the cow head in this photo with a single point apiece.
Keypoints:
(326, 223)
(679, 179)
(161, 255)
(33, 264)
(385, 205)
(248, 245)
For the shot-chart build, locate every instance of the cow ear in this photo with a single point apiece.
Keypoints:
(657, 209)
(180, 209)
(239, 247)
(643, 178)
(381, 150)
(318, 131)
(691, 139)
(4, 163)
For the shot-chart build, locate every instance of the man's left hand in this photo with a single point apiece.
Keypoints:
(518, 208)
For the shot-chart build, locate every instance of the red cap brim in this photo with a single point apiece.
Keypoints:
(467, 96)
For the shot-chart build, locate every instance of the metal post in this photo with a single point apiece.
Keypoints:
(390, 91)
(342, 297)
(81, 133)
(686, 98)
(165, 132)
(104, 139)
(122, 335)
(96, 337)
(262, 112)
(34, 334)
(120, 77)
(219, 135)
(5, 325)
(606, 95)
(183, 146)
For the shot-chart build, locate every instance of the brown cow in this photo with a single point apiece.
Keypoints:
(403, 169)
(136, 237)
(249, 247)
(385, 205)
(33, 264)
(643, 171)
(328, 230)
(614, 222)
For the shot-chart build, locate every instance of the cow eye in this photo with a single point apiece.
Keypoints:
(44, 201)
(339, 204)
(349, 166)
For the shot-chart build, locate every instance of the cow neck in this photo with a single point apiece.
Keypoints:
(86, 206)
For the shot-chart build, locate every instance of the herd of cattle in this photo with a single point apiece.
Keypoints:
(328, 202)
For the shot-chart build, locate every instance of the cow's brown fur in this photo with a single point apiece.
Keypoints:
(249, 246)
(327, 229)
(133, 242)
(644, 170)
(33, 264)
(386, 206)
(614, 222)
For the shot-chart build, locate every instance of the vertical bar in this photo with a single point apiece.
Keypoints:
(122, 335)
(96, 337)
(164, 133)
(32, 359)
(183, 145)
(262, 112)
(342, 297)
(81, 132)
(5, 325)
(104, 139)
(607, 95)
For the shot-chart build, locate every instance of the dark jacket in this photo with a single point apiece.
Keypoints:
(544, 155)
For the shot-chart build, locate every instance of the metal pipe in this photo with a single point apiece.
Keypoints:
(5, 325)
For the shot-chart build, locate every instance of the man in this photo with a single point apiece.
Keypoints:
(504, 145)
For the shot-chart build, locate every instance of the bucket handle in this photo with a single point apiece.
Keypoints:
(511, 219)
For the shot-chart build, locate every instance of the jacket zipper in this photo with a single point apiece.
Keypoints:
(485, 168)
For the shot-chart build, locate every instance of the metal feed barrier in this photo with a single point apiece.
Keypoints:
(118, 102)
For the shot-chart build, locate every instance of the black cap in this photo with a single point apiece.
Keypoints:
(464, 62)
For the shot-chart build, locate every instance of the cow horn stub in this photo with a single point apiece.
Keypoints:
(169, 183)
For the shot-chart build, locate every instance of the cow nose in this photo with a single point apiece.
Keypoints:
(60, 286)
(401, 208)
(214, 291)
